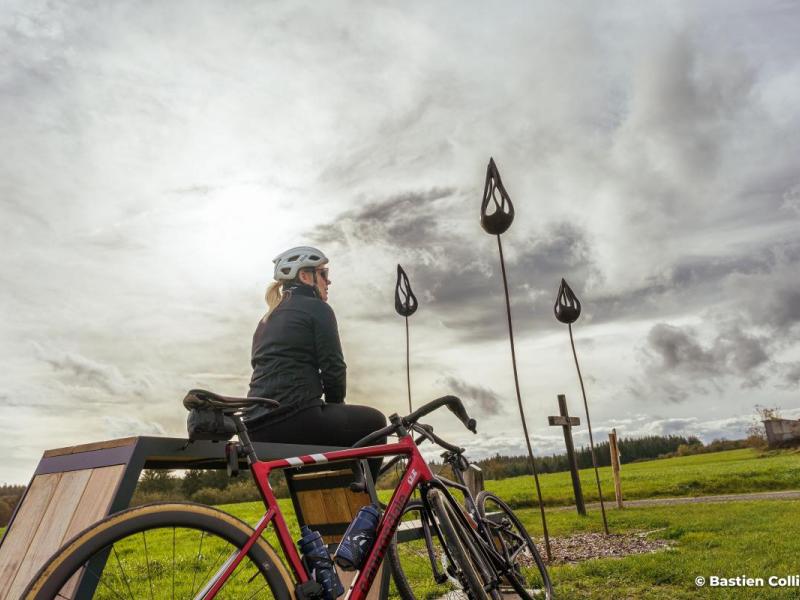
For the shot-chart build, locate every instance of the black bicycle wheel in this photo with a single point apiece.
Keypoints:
(165, 550)
(528, 576)
(418, 561)
(469, 568)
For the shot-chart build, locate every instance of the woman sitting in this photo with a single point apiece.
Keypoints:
(297, 359)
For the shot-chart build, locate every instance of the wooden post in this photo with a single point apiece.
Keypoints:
(612, 446)
(473, 479)
(567, 422)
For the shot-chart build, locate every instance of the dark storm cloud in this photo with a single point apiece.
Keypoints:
(457, 276)
(488, 401)
(677, 363)
(792, 374)
(406, 219)
(781, 307)
(733, 351)
(696, 281)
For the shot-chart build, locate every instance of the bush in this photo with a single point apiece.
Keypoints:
(241, 491)
(5, 512)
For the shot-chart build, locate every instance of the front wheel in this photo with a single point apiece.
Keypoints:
(164, 550)
(527, 573)
(469, 567)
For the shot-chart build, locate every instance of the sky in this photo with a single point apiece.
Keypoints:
(157, 156)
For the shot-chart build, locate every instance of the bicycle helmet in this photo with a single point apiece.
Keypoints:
(288, 263)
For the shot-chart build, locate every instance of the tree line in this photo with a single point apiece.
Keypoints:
(630, 449)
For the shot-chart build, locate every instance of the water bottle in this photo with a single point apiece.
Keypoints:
(319, 564)
(358, 539)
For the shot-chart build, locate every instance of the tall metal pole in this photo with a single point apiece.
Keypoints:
(408, 368)
(591, 438)
(496, 222)
(405, 303)
(531, 459)
(567, 310)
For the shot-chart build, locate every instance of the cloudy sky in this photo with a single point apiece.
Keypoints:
(157, 156)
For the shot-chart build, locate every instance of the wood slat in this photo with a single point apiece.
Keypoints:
(25, 524)
(93, 507)
(52, 527)
(337, 509)
(90, 447)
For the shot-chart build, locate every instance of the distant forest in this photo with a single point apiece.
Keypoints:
(630, 449)
(215, 487)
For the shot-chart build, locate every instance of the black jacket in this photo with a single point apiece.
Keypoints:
(297, 355)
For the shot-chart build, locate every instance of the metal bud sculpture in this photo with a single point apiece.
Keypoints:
(567, 306)
(500, 219)
(567, 310)
(405, 303)
(497, 222)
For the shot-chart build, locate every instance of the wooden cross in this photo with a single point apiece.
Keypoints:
(567, 422)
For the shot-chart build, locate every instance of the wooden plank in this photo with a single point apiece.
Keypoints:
(93, 507)
(52, 528)
(564, 421)
(129, 441)
(337, 509)
(312, 503)
(96, 499)
(26, 522)
(357, 500)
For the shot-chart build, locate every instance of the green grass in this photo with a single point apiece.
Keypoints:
(730, 472)
(756, 539)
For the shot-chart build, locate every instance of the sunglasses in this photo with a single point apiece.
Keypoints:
(324, 273)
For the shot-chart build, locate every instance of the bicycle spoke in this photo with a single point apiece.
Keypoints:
(147, 564)
(199, 551)
(99, 579)
(122, 572)
(211, 568)
(173, 563)
(257, 592)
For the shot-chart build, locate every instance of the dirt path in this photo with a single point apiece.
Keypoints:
(783, 495)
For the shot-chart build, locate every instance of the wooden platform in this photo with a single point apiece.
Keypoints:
(77, 486)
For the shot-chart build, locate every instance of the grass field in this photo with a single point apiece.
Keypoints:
(730, 472)
(755, 539)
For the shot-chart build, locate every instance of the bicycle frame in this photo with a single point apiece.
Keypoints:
(416, 473)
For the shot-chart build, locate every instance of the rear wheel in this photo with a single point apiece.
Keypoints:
(528, 576)
(168, 550)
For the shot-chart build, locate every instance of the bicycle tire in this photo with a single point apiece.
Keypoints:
(115, 535)
(466, 561)
(527, 572)
(410, 561)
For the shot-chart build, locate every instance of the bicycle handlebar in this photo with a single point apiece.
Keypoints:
(453, 403)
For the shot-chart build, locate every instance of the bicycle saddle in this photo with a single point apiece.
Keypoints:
(204, 399)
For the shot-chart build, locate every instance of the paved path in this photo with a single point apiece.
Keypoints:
(782, 495)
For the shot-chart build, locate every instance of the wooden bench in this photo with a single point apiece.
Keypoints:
(77, 486)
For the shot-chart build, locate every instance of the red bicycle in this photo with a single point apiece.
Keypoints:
(193, 551)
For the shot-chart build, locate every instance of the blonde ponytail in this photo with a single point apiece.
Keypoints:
(274, 297)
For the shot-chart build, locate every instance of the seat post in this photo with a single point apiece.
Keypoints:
(244, 438)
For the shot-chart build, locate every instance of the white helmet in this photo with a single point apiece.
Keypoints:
(288, 263)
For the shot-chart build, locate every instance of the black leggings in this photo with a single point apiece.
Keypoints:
(326, 425)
